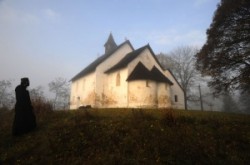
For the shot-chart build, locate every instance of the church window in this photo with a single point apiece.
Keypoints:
(175, 98)
(147, 83)
(118, 79)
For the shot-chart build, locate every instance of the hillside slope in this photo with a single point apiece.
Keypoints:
(125, 136)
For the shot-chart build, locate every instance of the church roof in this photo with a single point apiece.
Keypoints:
(126, 60)
(130, 57)
(92, 66)
(140, 72)
(158, 76)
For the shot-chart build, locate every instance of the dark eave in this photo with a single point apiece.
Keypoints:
(140, 72)
(158, 76)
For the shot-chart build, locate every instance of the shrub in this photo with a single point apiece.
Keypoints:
(169, 117)
(42, 106)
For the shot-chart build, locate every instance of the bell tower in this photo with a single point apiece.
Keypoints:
(110, 44)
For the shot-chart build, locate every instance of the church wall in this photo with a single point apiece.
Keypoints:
(116, 89)
(101, 90)
(175, 92)
(83, 91)
(163, 95)
(102, 78)
(157, 94)
(142, 94)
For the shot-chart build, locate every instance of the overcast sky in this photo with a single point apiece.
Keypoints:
(45, 39)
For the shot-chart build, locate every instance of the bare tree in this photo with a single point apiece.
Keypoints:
(6, 96)
(181, 62)
(60, 87)
(37, 93)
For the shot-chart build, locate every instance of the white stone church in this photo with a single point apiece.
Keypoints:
(125, 77)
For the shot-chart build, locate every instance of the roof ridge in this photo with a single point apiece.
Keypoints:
(126, 59)
(92, 66)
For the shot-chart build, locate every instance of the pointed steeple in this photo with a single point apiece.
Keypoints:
(110, 44)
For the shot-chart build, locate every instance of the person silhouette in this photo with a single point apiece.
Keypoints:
(24, 119)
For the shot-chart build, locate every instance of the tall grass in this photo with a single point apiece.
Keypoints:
(129, 136)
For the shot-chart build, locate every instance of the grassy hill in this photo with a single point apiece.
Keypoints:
(127, 136)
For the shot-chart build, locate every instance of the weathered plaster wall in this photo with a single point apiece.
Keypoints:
(175, 90)
(163, 95)
(157, 94)
(116, 89)
(83, 91)
(140, 95)
(101, 90)
(102, 80)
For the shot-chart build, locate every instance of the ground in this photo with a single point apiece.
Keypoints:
(129, 136)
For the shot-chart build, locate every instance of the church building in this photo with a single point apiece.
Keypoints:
(124, 77)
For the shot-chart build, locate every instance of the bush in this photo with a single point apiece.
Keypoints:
(169, 118)
(42, 106)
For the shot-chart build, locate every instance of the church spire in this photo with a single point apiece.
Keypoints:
(110, 44)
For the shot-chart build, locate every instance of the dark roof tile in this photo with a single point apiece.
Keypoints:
(140, 72)
(158, 76)
(126, 60)
(91, 67)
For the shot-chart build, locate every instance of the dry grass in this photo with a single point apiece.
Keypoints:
(129, 136)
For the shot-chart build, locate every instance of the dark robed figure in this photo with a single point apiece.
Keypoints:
(24, 120)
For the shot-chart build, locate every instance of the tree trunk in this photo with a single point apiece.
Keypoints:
(185, 100)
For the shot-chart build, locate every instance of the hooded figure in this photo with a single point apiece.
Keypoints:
(24, 120)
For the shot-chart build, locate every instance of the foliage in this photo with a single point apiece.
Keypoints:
(229, 104)
(226, 54)
(124, 136)
(244, 102)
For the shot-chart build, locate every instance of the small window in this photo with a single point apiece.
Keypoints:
(175, 98)
(147, 83)
(118, 79)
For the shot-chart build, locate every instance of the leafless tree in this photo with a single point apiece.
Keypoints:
(181, 62)
(37, 93)
(6, 96)
(60, 87)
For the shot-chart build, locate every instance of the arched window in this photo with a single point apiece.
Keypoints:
(147, 83)
(118, 79)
